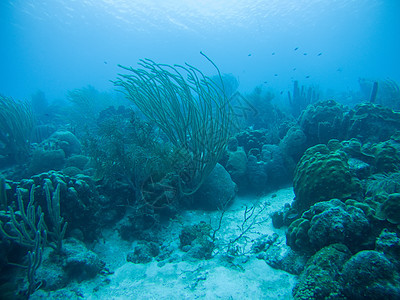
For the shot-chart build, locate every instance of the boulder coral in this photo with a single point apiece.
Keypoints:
(323, 121)
(217, 191)
(326, 223)
(370, 275)
(320, 278)
(237, 165)
(66, 141)
(372, 123)
(323, 173)
(387, 156)
(390, 209)
(294, 143)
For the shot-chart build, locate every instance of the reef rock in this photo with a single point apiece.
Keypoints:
(217, 191)
(327, 223)
(323, 121)
(370, 275)
(372, 123)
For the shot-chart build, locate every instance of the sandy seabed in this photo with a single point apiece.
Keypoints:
(246, 278)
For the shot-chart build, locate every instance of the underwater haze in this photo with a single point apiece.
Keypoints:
(55, 46)
(200, 149)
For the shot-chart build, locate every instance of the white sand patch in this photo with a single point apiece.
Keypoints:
(246, 278)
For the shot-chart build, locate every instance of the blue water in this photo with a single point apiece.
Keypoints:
(59, 45)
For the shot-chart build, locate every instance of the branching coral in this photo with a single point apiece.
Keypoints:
(193, 112)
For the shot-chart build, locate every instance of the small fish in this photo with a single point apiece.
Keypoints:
(339, 70)
(295, 49)
(304, 53)
(105, 62)
(273, 53)
(294, 69)
(292, 216)
(281, 92)
(249, 54)
(265, 82)
(308, 76)
(275, 75)
(319, 54)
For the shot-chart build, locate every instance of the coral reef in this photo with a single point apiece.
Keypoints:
(152, 187)
(294, 143)
(236, 166)
(334, 273)
(323, 173)
(323, 121)
(76, 264)
(370, 275)
(260, 113)
(321, 276)
(256, 173)
(389, 209)
(143, 253)
(387, 156)
(197, 241)
(301, 98)
(387, 94)
(254, 139)
(16, 123)
(51, 153)
(194, 114)
(372, 123)
(327, 223)
(217, 191)
(255, 164)
(275, 165)
(46, 160)
(79, 203)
